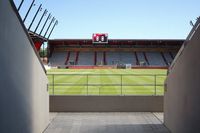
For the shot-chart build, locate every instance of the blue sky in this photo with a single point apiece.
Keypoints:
(121, 19)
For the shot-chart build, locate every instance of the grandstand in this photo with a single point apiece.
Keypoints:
(74, 53)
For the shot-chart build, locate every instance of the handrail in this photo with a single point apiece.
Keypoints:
(69, 84)
(190, 35)
(121, 83)
(75, 74)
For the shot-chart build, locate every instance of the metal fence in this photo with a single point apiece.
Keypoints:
(106, 84)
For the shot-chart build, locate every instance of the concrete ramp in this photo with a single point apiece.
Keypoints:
(24, 102)
(182, 93)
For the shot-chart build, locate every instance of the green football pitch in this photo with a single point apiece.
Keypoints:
(106, 81)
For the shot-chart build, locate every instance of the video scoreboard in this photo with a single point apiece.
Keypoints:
(100, 38)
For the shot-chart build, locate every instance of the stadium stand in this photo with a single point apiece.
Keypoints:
(58, 58)
(136, 57)
(141, 59)
(76, 59)
(104, 58)
(67, 58)
(145, 57)
(113, 58)
(86, 58)
(128, 58)
(72, 58)
(138, 53)
(100, 58)
(95, 58)
(173, 54)
(165, 60)
(155, 59)
(168, 58)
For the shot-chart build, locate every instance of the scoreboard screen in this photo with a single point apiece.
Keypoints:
(100, 38)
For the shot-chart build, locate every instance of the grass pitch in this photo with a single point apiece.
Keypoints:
(106, 81)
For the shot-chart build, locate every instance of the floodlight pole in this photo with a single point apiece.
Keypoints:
(28, 10)
(49, 16)
(20, 5)
(52, 29)
(45, 12)
(39, 8)
(53, 19)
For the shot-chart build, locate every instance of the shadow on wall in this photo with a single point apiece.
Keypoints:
(23, 82)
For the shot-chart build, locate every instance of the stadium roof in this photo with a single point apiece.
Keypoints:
(118, 41)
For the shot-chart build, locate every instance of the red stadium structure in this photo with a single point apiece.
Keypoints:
(38, 40)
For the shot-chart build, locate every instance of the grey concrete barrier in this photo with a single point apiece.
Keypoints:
(106, 103)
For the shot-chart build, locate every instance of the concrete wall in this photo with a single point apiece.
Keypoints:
(106, 103)
(23, 84)
(182, 95)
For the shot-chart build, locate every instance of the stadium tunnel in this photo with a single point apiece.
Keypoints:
(24, 97)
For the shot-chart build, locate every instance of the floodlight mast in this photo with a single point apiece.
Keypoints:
(20, 5)
(52, 29)
(45, 12)
(28, 10)
(49, 17)
(53, 19)
(39, 8)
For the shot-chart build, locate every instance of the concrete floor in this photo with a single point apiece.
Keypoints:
(136, 122)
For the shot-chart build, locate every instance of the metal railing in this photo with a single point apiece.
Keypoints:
(106, 84)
